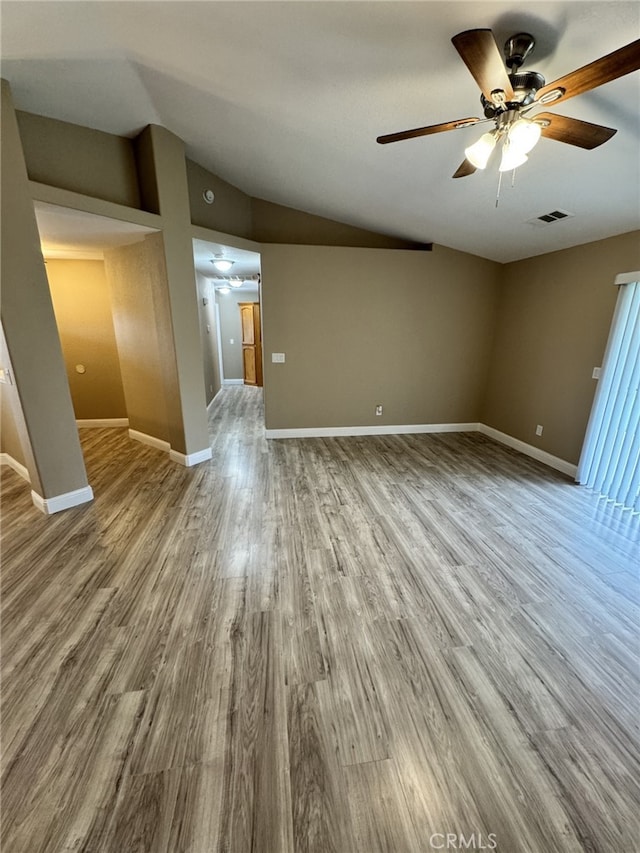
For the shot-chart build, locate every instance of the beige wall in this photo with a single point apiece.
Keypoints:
(411, 330)
(274, 223)
(56, 466)
(14, 439)
(553, 322)
(184, 376)
(82, 304)
(231, 210)
(80, 159)
(208, 336)
(137, 278)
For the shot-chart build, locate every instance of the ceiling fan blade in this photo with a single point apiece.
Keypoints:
(465, 168)
(610, 67)
(481, 55)
(426, 131)
(574, 131)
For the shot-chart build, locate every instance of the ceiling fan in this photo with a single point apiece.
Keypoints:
(508, 94)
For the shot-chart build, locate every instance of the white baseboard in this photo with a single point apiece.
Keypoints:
(395, 429)
(530, 450)
(102, 422)
(233, 381)
(183, 459)
(151, 440)
(213, 399)
(191, 458)
(18, 467)
(59, 502)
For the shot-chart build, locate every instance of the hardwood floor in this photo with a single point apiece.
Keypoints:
(358, 645)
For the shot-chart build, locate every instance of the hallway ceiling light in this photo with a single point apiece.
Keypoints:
(224, 290)
(222, 264)
(235, 282)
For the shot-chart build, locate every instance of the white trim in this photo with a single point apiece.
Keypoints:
(184, 459)
(191, 458)
(218, 338)
(530, 450)
(233, 381)
(210, 235)
(396, 429)
(213, 399)
(18, 467)
(56, 504)
(627, 277)
(151, 440)
(100, 207)
(102, 422)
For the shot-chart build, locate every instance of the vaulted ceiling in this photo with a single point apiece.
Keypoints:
(285, 100)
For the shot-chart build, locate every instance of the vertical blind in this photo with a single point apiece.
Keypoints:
(610, 460)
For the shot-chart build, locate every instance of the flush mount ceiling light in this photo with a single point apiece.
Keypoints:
(223, 289)
(235, 282)
(223, 265)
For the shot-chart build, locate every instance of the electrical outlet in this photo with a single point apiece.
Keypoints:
(539, 429)
(379, 409)
(595, 373)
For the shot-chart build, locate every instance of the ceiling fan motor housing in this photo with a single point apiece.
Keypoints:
(525, 85)
(517, 48)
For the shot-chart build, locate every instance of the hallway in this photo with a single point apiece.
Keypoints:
(350, 645)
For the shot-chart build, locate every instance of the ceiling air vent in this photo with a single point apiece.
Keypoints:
(548, 218)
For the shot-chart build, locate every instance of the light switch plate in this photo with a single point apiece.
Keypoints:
(277, 357)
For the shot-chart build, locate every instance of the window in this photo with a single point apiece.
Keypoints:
(610, 460)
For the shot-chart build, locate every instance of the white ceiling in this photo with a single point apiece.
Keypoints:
(74, 234)
(77, 235)
(285, 100)
(245, 263)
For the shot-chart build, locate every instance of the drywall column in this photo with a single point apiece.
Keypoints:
(55, 465)
(163, 178)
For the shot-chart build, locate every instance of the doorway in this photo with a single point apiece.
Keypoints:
(251, 343)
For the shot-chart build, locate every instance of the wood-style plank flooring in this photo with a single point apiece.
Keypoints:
(356, 645)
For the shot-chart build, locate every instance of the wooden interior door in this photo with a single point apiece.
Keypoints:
(251, 342)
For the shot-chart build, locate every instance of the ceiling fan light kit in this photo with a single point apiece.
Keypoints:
(479, 153)
(509, 94)
(511, 158)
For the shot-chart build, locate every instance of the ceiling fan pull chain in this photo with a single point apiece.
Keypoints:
(498, 192)
(513, 179)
